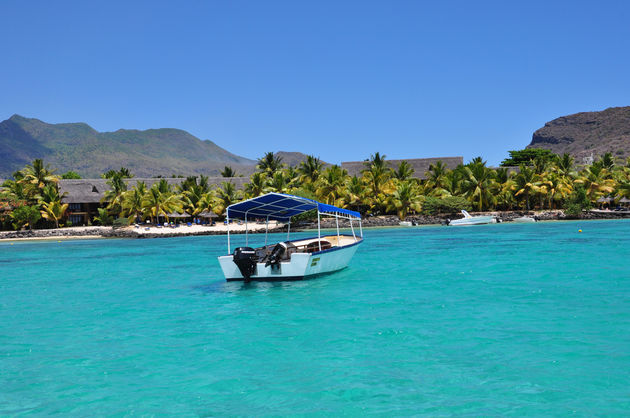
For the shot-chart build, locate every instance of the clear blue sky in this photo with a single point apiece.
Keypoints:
(338, 79)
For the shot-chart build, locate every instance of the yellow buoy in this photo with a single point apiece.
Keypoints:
(579, 230)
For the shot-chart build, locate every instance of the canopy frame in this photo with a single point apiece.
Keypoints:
(274, 209)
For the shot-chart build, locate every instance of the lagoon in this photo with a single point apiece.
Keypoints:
(486, 320)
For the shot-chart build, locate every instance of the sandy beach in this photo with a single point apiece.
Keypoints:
(218, 229)
(133, 231)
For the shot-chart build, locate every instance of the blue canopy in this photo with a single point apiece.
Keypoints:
(281, 207)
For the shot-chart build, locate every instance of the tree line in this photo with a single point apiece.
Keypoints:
(545, 181)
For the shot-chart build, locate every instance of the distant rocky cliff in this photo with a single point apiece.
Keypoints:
(583, 134)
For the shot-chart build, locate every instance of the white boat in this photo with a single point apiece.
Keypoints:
(289, 260)
(524, 219)
(468, 219)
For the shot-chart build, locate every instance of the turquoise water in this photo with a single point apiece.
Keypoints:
(488, 320)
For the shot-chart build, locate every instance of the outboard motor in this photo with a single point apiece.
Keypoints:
(245, 259)
(276, 254)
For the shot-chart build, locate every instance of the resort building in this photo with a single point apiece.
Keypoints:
(84, 196)
(419, 165)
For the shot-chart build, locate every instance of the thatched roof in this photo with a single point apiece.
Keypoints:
(93, 190)
(82, 191)
(420, 165)
(178, 215)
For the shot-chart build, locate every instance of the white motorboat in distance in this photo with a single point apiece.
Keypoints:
(525, 219)
(468, 219)
(289, 260)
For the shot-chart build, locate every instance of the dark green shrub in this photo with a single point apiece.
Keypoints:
(577, 202)
(450, 204)
(25, 215)
(120, 222)
(103, 218)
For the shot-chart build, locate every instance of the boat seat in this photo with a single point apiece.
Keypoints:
(263, 252)
(314, 246)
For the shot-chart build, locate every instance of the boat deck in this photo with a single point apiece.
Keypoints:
(309, 245)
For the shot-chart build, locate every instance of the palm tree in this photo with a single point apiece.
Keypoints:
(452, 183)
(278, 183)
(257, 184)
(113, 197)
(269, 163)
(607, 161)
(310, 169)
(228, 172)
(50, 193)
(556, 187)
(564, 165)
(292, 176)
(436, 176)
(329, 187)
(353, 193)
(504, 188)
(540, 164)
(132, 201)
(123, 173)
(225, 196)
(35, 177)
(377, 179)
(525, 184)
(597, 181)
(405, 198)
(191, 198)
(477, 160)
(54, 211)
(160, 201)
(205, 203)
(103, 218)
(478, 184)
(13, 191)
(404, 171)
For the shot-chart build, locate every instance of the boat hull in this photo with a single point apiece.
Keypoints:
(524, 219)
(475, 220)
(300, 265)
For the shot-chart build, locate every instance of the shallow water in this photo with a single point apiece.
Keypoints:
(485, 320)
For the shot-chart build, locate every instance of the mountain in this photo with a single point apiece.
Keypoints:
(293, 159)
(78, 147)
(589, 132)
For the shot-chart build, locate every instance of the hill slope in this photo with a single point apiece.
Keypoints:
(293, 159)
(78, 147)
(589, 132)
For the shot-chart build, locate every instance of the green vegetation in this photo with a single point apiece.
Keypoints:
(449, 204)
(25, 215)
(71, 175)
(578, 202)
(543, 183)
(526, 156)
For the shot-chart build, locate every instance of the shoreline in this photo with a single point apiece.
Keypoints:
(144, 232)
